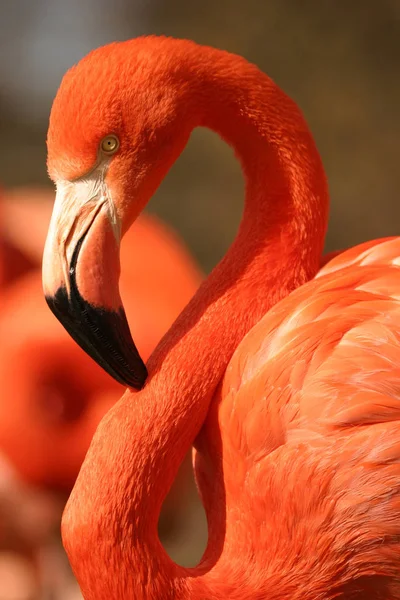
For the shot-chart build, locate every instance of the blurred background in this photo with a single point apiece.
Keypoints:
(340, 61)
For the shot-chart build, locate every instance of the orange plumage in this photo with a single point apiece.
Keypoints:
(289, 396)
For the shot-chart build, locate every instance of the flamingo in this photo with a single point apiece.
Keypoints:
(52, 401)
(284, 379)
(49, 391)
(61, 394)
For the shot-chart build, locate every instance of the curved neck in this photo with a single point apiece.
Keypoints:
(134, 457)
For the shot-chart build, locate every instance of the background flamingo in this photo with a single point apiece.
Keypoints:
(296, 433)
(59, 387)
(52, 396)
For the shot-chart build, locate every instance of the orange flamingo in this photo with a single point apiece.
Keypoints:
(62, 394)
(48, 391)
(296, 424)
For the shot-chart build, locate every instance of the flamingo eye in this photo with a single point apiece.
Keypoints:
(110, 144)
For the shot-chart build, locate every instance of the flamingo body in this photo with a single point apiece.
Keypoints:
(317, 459)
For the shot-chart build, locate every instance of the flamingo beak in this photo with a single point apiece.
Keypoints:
(81, 273)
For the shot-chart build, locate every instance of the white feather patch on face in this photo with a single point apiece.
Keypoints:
(76, 205)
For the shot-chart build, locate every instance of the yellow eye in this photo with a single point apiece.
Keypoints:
(110, 144)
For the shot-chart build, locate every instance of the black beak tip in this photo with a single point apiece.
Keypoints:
(102, 334)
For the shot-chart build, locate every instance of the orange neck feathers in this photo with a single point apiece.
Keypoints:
(110, 524)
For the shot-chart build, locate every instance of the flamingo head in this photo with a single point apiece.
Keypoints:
(113, 135)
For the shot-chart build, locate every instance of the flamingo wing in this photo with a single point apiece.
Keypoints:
(309, 415)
